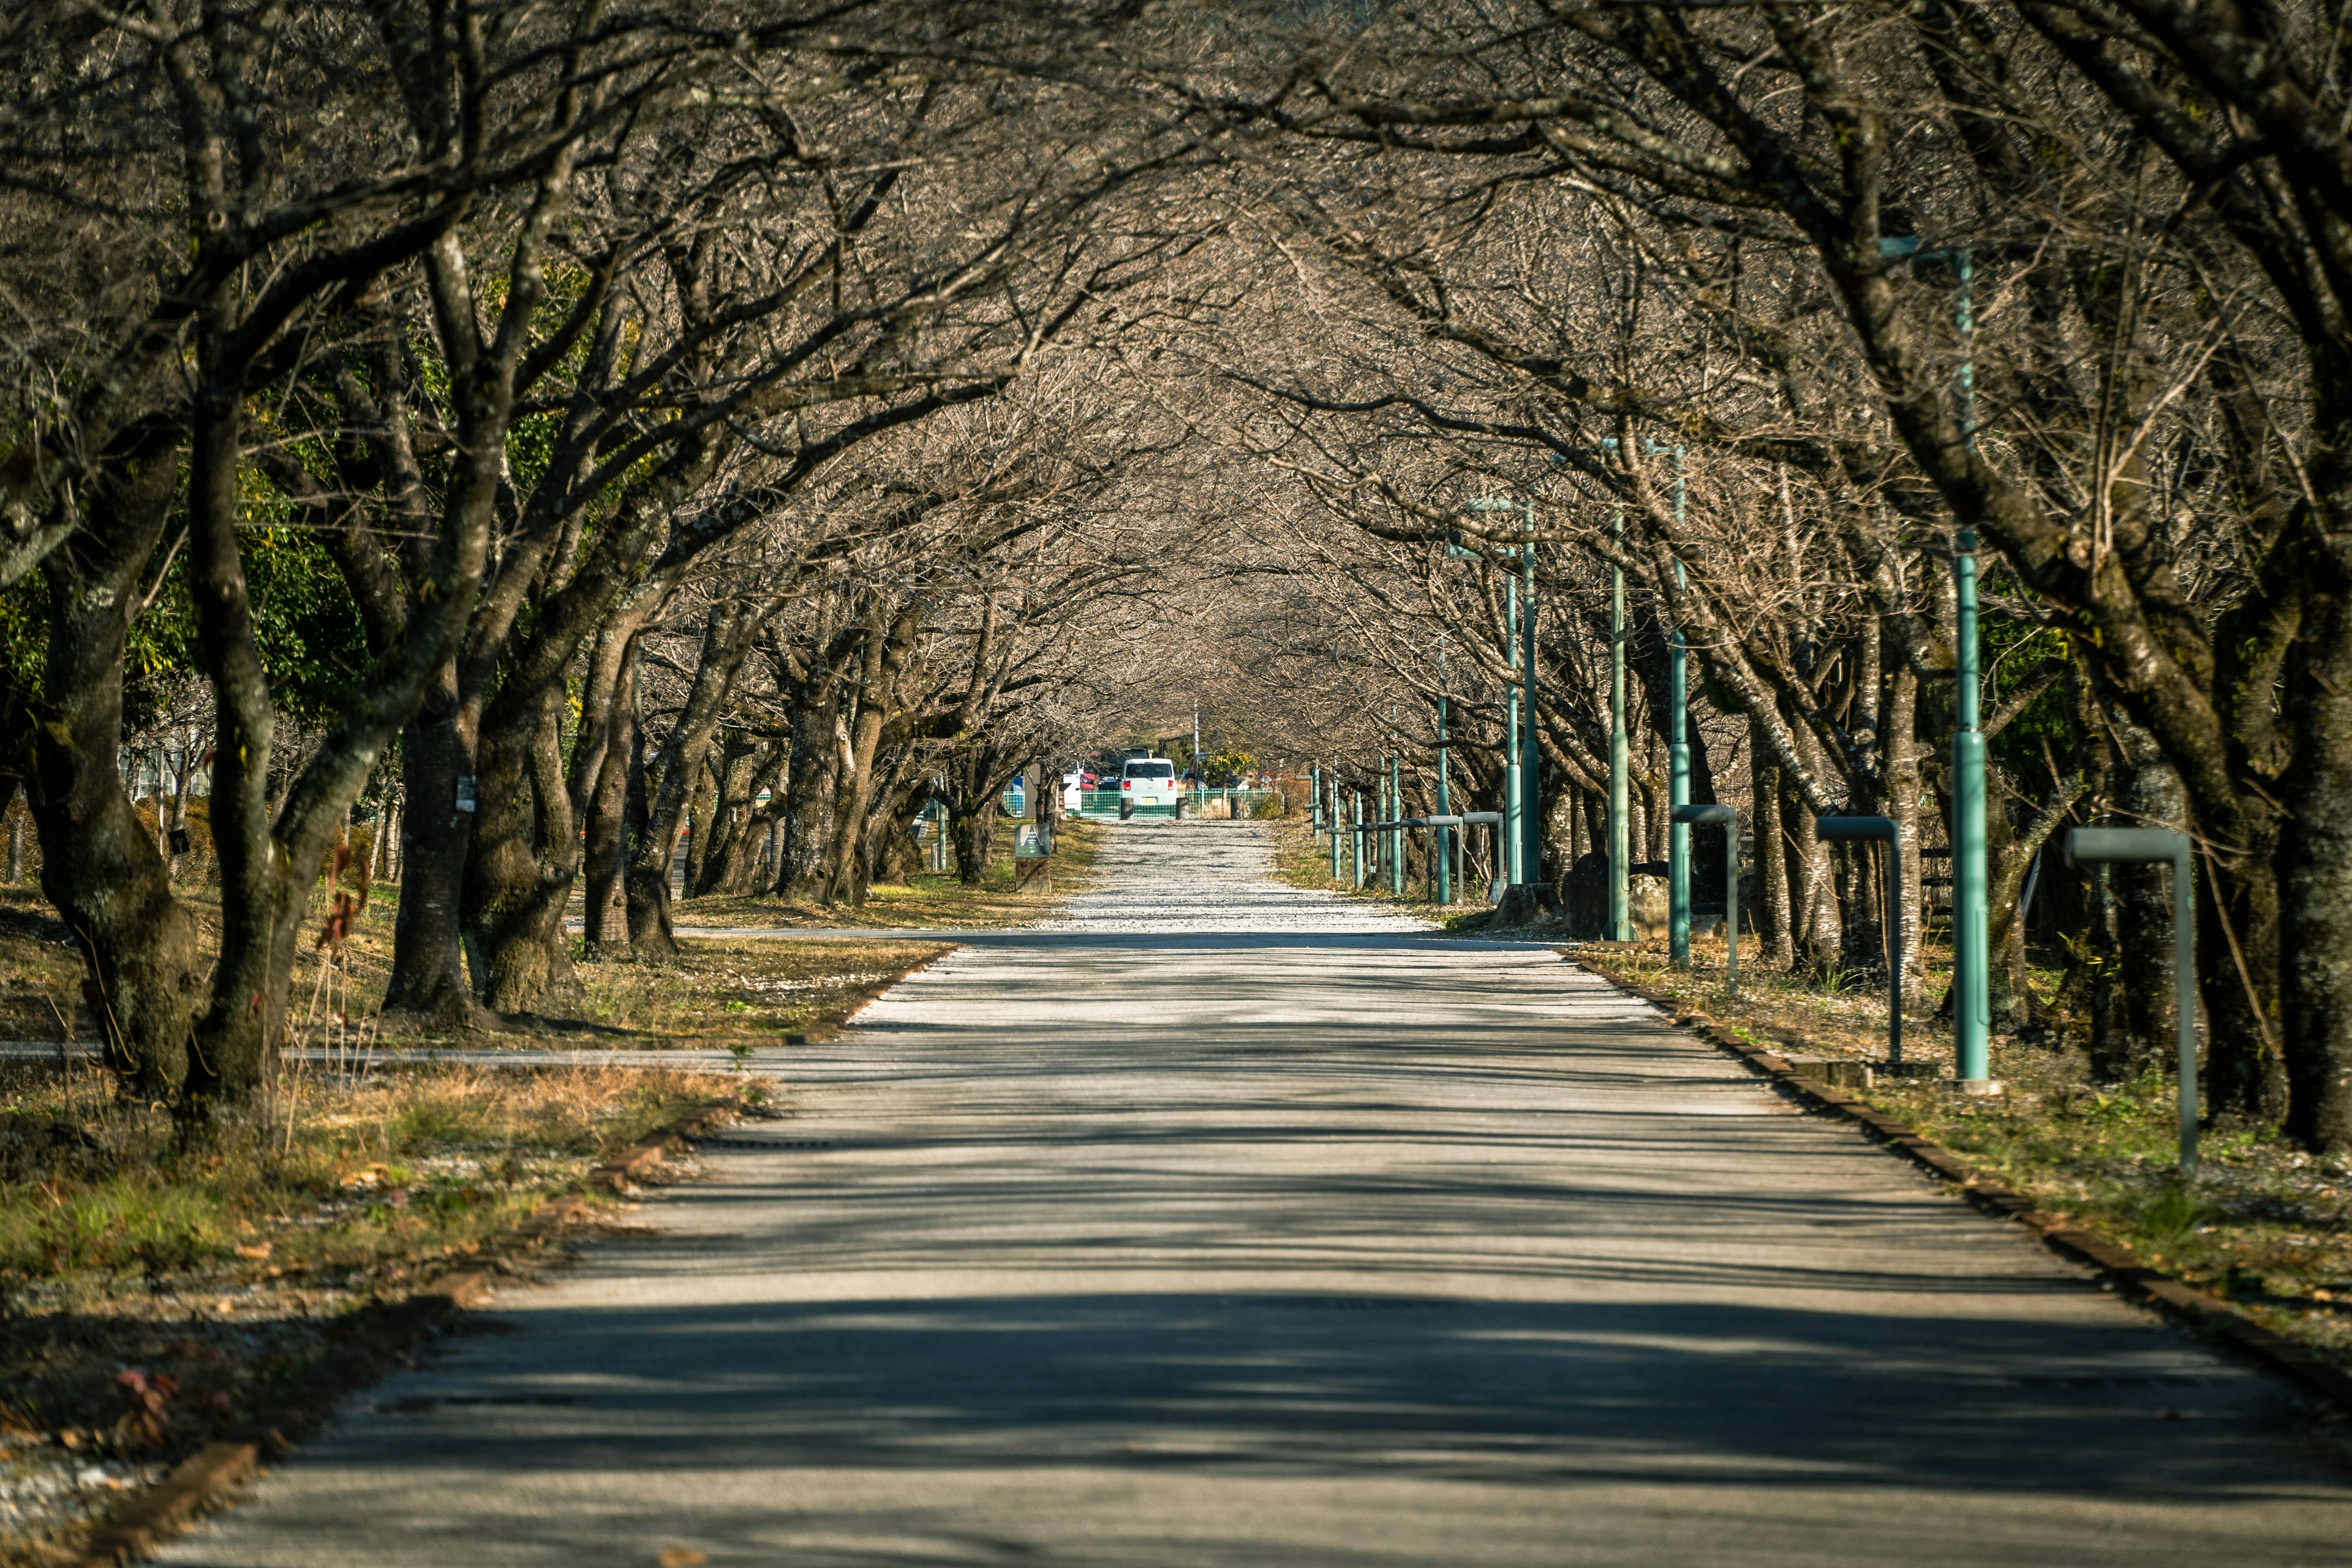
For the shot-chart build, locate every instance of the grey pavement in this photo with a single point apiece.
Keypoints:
(1228, 1224)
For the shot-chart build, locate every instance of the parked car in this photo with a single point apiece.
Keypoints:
(1145, 781)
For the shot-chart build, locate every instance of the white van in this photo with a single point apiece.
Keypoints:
(1147, 781)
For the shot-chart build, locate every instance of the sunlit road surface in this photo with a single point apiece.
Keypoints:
(1229, 1224)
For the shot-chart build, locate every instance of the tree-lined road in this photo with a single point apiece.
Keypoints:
(1225, 1222)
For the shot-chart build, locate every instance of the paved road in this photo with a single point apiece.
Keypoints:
(1233, 1224)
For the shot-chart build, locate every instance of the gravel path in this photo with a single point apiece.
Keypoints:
(1227, 1223)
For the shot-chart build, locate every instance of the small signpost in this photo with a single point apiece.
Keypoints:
(1859, 829)
(1727, 818)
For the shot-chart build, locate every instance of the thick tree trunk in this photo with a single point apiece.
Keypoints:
(846, 876)
(701, 807)
(98, 865)
(736, 770)
(809, 794)
(606, 840)
(973, 831)
(2151, 796)
(746, 865)
(2314, 859)
(648, 909)
(525, 858)
(247, 1013)
(429, 985)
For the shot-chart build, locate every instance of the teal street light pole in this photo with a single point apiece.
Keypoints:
(1971, 991)
(1520, 738)
(1620, 827)
(1441, 840)
(1514, 797)
(2089, 846)
(1396, 835)
(1331, 815)
(1531, 752)
(1971, 988)
(1356, 842)
(1678, 773)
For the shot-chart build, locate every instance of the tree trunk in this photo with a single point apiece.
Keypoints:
(606, 855)
(809, 791)
(2111, 1053)
(526, 855)
(2151, 796)
(880, 673)
(429, 984)
(646, 910)
(1816, 921)
(1900, 747)
(2315, 884)
(740, 770)
(98, 865)
(974, 829)
(726, 640)
(701, 812)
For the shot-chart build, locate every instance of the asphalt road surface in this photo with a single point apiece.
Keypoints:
(1227, 1223)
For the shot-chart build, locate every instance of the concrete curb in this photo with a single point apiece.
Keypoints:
(198, 1484)
(2202, 1310)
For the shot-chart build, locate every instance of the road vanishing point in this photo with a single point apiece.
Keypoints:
(1224, 1223)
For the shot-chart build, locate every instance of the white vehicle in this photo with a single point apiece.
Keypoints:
(1147, 781)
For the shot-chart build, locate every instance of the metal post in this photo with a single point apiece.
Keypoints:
(1396, 835)
(1971, 993)
(1331, 783)
(1862, 829)
(1531, 749)
(1964, 317)
(1514, 799)
(2090, 846)
(1355, 802)
(1678, 775)
(1441, 841)
(1621, 836)
(1686, 815)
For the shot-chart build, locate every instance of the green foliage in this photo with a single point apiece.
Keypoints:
(2016, 655)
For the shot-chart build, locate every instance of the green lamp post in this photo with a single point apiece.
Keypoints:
(1971, 990)
(1441, 840)
(1620, 827)
(1679, 769)
(1522, 841)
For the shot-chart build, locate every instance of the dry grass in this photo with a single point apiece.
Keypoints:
(2266, 1224)
(931, 902)
(718, 990)
(161, 1288)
